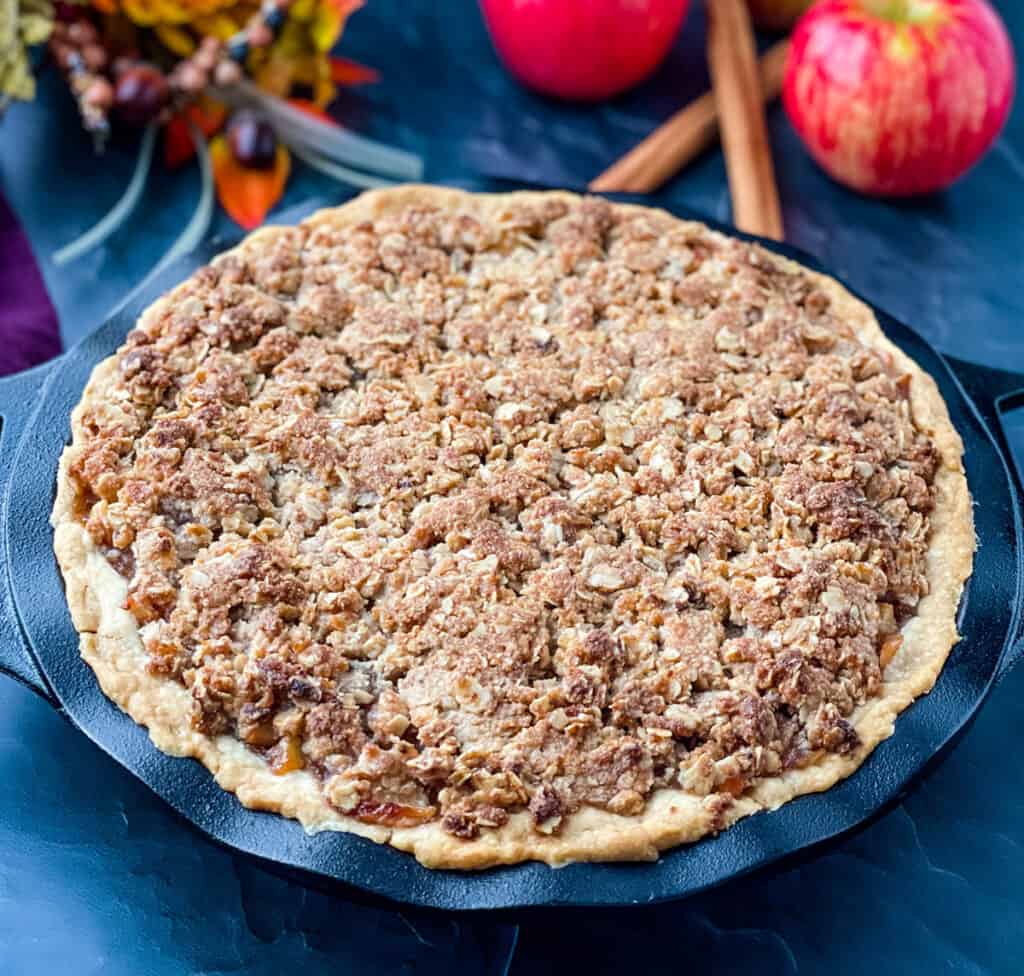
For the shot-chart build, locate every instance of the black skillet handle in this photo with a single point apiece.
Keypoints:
(993, 392)
(19, 395)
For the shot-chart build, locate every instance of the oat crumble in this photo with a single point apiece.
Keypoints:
(553, 509)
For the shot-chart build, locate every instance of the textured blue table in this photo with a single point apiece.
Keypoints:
(97, 876)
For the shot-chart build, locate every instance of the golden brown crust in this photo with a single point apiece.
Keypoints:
(112, 646)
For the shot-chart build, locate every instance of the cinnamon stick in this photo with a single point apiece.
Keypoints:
(684, 136)
(748, 158)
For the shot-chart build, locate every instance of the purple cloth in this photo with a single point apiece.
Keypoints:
(29, 332)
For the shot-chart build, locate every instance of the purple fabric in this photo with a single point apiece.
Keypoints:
(29, 332)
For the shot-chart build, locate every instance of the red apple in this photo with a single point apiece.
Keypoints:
(899, 97)
(776, 15)
(583, 49)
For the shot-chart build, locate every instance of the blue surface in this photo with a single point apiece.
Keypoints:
(97, 876)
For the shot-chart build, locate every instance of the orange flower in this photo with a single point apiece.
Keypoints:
(347, 72)
(247, 194)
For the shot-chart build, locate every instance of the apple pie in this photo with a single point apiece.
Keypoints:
(512, 527)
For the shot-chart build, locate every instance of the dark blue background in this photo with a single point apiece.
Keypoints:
(97, 876)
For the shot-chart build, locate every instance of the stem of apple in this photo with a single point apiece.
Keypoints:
(901, 11)
(895, 10)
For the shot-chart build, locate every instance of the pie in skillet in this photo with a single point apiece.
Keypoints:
(512, 527)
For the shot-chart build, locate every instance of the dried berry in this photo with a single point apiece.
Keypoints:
(82, 32)
(259, 34)
(227, 73)
(206, 58)
(273, 16)
(122, 63)
(191, 78)
(141, 94)
(60, 52)
(95, 57)
(252, 140)
(99, 94)
(238, 47)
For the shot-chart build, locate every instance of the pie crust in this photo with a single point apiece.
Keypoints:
(112, 647)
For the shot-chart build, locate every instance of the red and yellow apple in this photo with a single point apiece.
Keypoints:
(899, 97)
(776, 15)
(583, 49)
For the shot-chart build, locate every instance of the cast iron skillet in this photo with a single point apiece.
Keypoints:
(38, 646)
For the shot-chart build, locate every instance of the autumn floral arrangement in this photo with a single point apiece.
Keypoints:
(240, 87)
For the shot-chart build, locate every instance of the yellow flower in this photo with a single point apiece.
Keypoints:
(147, 13)
(298, 55)
(175, 39)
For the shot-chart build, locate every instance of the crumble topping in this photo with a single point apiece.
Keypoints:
(471, 515)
